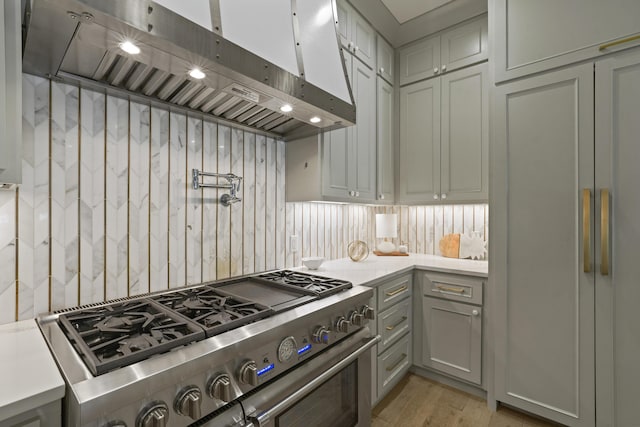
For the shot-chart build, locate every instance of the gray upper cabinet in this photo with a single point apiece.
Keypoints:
(544, 310)
(531, 36)
(420, 141)
(385, 60)
(458, 47)
(386, 138)
(356, 35)
(10, 93)
(420, 61)
(444, 138)
(349, 154)
(464, 131)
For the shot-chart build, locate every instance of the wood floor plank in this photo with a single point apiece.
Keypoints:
(419, 402)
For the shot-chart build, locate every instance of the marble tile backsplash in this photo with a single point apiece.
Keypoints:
(105, 209)
(325, 229)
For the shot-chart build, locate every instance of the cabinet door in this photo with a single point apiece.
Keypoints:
(362, 168)
(533, 36)
(420, 141)
(420, 61)
(336, 154)
(543, 153)
(344, 12)
(465, 135)
(385, 59)
(10, 93)
(363, 37)
(386, 136)
(452, 340)
(464, 45)
(617, 293)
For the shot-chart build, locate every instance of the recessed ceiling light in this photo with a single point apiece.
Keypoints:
(315, 119)
(130, 48)
(196, 74)
(286, 108)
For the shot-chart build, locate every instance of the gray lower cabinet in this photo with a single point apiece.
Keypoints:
(444, 138)
(452, 339)
(544, 291)
(394, 320)
(566, 335)
(448, 337)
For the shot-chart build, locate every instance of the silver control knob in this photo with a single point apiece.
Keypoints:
(249, 373)
(188, 401)
(154, 415)
(342, 324)
(321, 335)
(220, 388)
(356, 318)
(368, 312)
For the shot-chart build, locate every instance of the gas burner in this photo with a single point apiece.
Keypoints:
(116, 335)
(214, 310)
(317, 285)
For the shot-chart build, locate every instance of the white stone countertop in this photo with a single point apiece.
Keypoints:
(375, 268)
(29, 377)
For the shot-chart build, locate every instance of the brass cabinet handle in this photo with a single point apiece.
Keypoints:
(392, 327)
(604, 232)
(395, 365)
(586, 230)
(451, 289)
(617, 42)
(397, 291)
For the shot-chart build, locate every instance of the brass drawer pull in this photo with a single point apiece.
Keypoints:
(617, 42)
(397, 291)
(586, 229)
(395, 365)
(392, 327)
(604, 232)
(451, 289)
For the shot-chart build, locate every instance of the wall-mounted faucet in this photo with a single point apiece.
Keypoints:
(233, 185)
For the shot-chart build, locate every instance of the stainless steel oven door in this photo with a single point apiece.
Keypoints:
(332, 389)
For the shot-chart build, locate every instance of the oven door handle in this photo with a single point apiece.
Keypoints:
(261, 419)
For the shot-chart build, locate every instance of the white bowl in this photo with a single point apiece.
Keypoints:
(312, 263)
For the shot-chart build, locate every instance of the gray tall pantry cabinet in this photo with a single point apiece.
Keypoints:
(564, 221)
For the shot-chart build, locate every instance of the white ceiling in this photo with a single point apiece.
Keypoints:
(405, 10)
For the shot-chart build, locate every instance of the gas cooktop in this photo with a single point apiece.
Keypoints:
(114, 335)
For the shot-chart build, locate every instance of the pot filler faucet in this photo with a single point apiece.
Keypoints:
(233, 184)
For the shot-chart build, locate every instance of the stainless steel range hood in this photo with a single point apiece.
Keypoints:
(81, 40)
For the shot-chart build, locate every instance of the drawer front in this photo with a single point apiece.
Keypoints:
(394, 291)
(393, 364)
(452, 287)
(393, 323)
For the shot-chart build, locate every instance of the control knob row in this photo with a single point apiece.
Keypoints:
(357, 318)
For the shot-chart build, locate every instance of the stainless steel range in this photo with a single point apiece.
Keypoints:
(283, 348)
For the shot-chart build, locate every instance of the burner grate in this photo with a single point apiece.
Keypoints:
(213, 309)
(316, 285)
(118, 335)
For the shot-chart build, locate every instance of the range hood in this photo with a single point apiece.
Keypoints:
(82, 40)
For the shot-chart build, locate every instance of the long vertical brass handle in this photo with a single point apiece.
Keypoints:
(586, 233)
(604, 232)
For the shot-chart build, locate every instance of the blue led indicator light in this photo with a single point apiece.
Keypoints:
(304, 349)
(266, 369)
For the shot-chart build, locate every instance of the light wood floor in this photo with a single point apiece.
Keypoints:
(419, 402)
